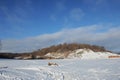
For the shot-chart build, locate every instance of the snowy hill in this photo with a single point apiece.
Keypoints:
(82, 54)
(63, 51)
(74, 50)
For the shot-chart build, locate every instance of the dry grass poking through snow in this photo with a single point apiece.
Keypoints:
(52, 64)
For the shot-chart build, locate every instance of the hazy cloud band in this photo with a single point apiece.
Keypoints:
(94, 34)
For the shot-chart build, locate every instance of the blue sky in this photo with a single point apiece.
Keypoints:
(24, 22)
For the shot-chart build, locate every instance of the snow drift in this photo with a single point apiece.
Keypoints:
(89, 54)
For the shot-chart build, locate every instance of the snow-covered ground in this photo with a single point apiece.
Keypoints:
(67, 69)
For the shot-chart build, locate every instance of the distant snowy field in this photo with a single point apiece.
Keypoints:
(67, 69)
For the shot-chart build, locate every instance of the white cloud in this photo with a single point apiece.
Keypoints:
(76, 14)
(97, 5)
(60, 6)
(86, 34)
(16, 16)
(101, 2)
(53, 17)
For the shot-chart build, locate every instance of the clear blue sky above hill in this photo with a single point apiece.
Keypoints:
(22, 20)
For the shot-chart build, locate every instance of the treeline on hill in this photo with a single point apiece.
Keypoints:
(68, 47)
(61, 48)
